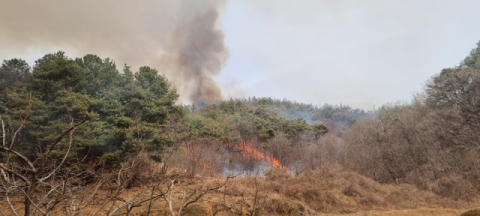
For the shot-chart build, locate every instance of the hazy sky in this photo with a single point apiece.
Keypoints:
(361, 53)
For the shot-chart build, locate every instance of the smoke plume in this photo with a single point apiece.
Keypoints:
(181, 38)
(197, 53)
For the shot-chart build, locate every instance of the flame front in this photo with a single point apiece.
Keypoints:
(249, 152)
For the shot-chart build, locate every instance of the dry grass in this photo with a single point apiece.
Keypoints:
(473, 212)
(326, 191)
(406, 212)
(333, 190)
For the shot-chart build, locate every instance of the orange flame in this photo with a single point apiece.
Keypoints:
(204, 165)
(249, 152)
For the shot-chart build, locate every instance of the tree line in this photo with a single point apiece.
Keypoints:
(65, 120)
(432, 142)
(68, 122)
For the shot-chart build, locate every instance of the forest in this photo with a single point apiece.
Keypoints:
(80, 137)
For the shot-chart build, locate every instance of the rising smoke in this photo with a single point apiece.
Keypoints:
(181, 38)
(197, 53)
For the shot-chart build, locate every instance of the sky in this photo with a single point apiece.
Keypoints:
(362, 53)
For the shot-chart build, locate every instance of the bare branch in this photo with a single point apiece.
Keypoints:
(30, 164)
(31, 201)
(3, 131)
(10, 204)
(59, 138)
(25, 179)
(21, 124)
(208, 190)
(169, 200)
(4, 175)
(193, 197)
(63, 160)
(4, 147)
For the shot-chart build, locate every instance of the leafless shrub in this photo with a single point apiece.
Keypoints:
(473, 212)
(202, 157)
(421, 145)
(42, 182)
(190, 193)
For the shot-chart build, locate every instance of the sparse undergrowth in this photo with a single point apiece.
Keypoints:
(327, 190)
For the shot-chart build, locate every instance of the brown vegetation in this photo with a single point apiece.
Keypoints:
(135, 158)
(144, 187)
(473, 212)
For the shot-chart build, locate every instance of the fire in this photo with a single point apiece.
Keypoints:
(205, 166)
(249, 152)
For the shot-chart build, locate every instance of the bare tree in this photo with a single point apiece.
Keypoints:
(190, 194)
(39, 180)
(147, 193)
(258, 201)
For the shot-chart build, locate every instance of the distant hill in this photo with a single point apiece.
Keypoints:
(340, 114)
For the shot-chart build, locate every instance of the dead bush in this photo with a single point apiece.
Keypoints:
(473, 212)
(276, 174)
(283, 206)
(455, 187)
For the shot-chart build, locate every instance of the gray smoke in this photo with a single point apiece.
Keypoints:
(198, 53)
(181, 38)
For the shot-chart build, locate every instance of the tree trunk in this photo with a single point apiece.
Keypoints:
(27, 207)
(28, 197)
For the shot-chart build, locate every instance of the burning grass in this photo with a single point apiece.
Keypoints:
(211, 158)
(248, 151)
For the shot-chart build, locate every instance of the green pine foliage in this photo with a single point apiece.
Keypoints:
(127, 111)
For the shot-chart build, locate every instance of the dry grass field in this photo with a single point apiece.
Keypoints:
(330, 190)
(327, 191)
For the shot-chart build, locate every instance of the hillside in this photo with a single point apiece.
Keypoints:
(78, 135)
